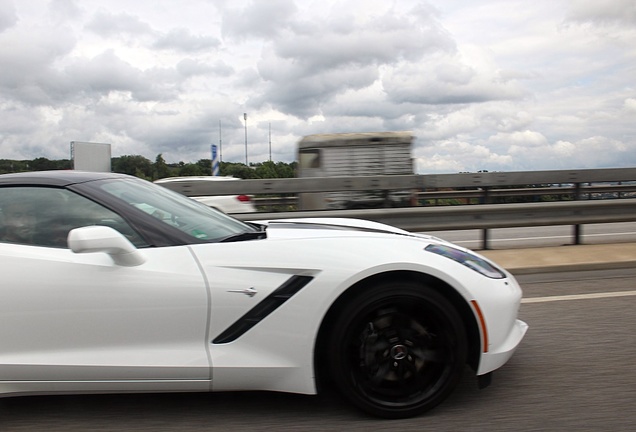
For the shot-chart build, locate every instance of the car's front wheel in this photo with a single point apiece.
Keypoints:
(397, 349)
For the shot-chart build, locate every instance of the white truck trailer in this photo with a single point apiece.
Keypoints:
(355, 154)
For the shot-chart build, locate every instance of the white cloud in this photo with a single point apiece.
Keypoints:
(495, 84)
(8, 15)
(457, 156)
(593, 152)
(604, 12)
(257, 19)
(117, 24)
(181, 39)
(630, 104)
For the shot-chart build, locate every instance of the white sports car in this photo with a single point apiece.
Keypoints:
(113, 284)
(225, 203)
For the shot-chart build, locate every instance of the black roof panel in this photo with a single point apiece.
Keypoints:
(55, 177)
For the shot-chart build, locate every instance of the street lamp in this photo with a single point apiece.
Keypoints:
(245, 118)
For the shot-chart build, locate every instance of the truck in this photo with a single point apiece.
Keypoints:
(355, 154)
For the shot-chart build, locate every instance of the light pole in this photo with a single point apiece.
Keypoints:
(220, 143)
(245, 118)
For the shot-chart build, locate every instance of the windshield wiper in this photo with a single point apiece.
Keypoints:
(246, 235)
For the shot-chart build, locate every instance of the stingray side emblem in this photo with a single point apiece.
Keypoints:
(248, 291)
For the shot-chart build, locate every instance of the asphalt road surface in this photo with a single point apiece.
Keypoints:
(573, 372)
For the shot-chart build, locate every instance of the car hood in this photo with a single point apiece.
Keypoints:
(323, 227)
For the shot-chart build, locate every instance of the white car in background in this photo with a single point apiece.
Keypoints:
(225, 203)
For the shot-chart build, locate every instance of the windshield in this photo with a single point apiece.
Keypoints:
(176, 210)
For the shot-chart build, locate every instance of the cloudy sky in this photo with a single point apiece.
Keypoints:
(498, 85)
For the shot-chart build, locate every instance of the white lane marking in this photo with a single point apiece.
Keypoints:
(578, 297)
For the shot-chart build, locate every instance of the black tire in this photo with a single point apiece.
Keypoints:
(397, 350)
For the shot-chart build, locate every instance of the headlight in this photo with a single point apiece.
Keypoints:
(469, 260)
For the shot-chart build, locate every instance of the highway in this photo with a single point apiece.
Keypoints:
(573, 372)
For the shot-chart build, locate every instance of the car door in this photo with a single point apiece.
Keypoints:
(81, 318)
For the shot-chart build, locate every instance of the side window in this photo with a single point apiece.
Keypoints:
(17, 217)
(44, 216)
(309, 158)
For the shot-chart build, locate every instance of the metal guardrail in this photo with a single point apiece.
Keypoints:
(397, 182)
(579, 184)
(481, 195)
(484, 217)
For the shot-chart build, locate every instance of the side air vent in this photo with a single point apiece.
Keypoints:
(263, 309)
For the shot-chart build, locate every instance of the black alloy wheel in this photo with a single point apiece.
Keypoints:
(398, 350)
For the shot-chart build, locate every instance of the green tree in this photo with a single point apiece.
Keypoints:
(133, 165)
(271, 169)
(237, 170)
(266, 170)
(160, 168)
(205, 165)
(191, 169)
(43, 164)
(11, 166)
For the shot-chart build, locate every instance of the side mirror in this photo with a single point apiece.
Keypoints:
(95, 238)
